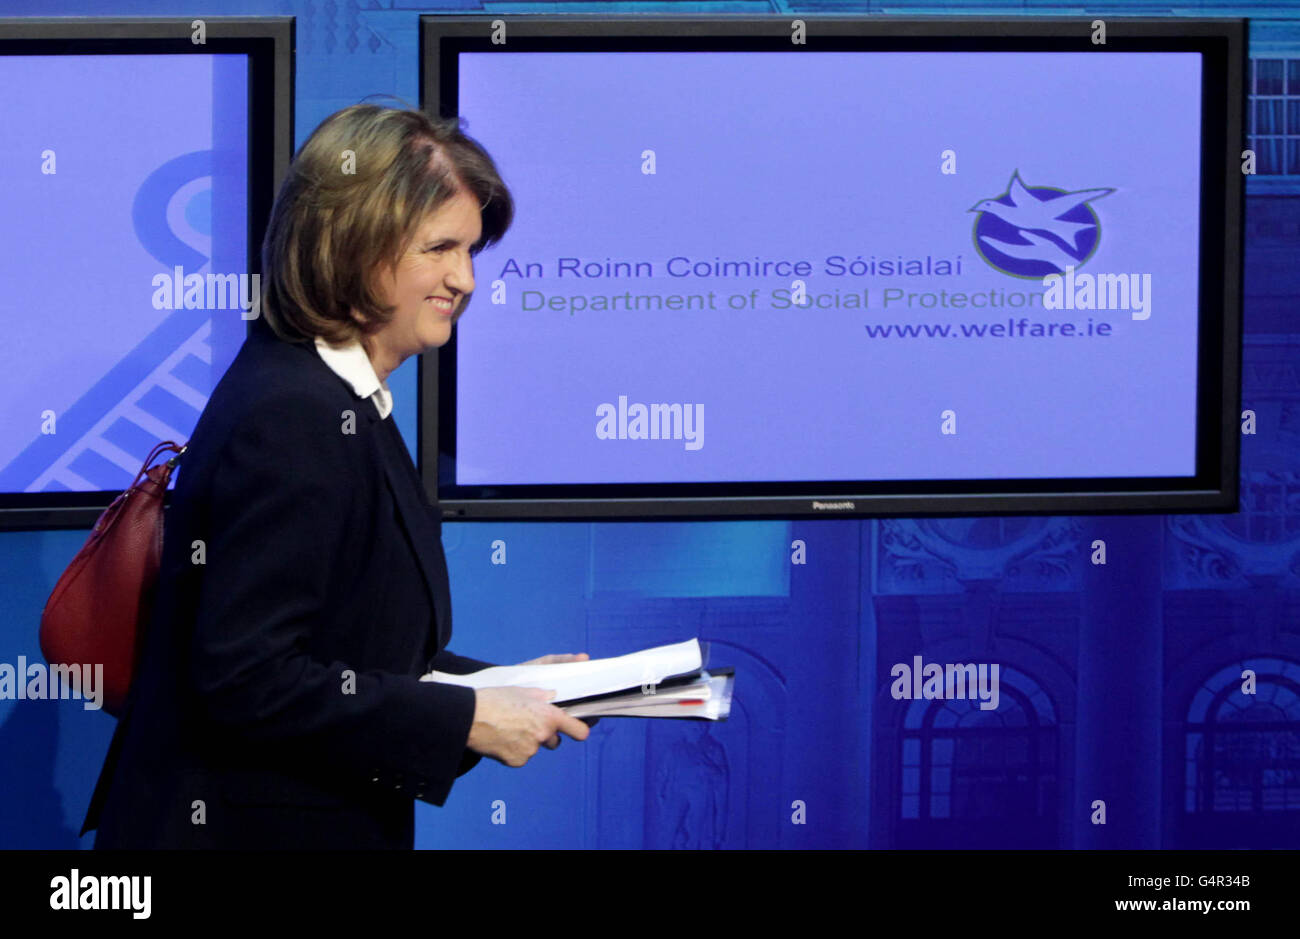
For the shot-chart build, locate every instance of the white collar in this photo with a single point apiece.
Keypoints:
(351, 363)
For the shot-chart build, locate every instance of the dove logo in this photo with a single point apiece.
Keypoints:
(1033, 231)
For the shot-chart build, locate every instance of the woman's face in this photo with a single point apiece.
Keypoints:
(436, 267)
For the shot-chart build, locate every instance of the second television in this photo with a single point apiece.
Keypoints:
(832, 267)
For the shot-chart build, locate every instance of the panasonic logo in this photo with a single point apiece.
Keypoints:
(832, 506)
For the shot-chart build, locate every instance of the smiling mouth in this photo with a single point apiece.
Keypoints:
(443, 304)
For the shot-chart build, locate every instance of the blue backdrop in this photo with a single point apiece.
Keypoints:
(1120, 683)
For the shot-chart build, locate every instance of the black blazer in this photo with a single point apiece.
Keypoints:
(302, 592)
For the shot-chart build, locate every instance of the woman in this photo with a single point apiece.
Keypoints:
(303, 588)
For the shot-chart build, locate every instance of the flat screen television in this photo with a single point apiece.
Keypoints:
(140, 159)
(826, 267)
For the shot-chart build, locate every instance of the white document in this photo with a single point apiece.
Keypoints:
(570, 680)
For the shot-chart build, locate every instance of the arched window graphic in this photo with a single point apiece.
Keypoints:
(1243, 751)
(981, 779)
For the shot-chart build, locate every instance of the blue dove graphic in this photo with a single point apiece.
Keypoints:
(1028, 212)
(1038, 249)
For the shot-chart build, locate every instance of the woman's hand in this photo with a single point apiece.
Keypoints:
(558, 658)
(510, 724)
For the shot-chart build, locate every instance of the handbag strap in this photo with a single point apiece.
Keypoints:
(153, 455)
(102, 522)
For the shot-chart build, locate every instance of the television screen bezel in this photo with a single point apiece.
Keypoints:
(1215, 487)
(269, 43)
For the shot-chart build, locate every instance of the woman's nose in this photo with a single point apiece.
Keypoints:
(461, 276)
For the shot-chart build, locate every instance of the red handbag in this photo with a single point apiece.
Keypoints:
(98, 610)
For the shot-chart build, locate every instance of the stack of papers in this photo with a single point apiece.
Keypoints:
(664, 681)
(706, 697)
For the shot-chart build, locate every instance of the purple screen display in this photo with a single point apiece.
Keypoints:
(124, 173)
(833, 266)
